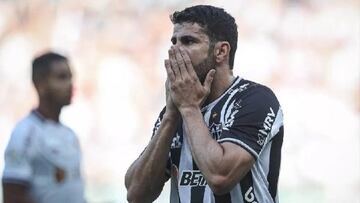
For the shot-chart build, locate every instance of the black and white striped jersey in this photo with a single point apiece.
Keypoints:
(249, 115)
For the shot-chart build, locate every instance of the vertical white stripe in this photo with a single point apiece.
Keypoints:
(236, 195)
(260, 190)
(174, 195)
(208, 195)
(185, 164)
(207, 115)
(264, 160)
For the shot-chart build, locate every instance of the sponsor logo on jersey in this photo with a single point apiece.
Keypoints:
(192, 178)
(249, 195)
(176, 142)
(266, 128)
(215, 130)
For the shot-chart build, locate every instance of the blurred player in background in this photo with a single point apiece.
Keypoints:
(219, 138)
(42, 158)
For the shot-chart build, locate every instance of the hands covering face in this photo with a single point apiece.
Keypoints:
(184, 87)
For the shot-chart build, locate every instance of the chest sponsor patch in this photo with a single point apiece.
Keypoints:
(192, 178)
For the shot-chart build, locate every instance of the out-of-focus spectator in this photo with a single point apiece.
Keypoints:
(42, 158)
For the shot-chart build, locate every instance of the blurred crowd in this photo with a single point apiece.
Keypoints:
(307, 51)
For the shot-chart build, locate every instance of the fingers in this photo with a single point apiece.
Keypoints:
(180, 62)
(174, 64)
(167, 83)
(169, 70)
(209, 78)
(188, 64)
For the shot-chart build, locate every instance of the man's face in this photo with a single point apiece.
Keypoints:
(196, 43)
(58, 84)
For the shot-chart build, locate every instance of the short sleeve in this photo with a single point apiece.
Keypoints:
(17, 159)
(249, 119)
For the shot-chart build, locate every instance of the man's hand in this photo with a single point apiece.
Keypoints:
(186, 90)
(171, 109)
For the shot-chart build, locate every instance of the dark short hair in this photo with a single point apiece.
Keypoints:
(216, 22)
(41, 65)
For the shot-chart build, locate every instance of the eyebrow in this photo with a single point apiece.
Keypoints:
(185, 37)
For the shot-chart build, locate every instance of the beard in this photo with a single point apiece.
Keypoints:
(204, 67)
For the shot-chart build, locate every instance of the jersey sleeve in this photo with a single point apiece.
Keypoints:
(249, 119)
(155, 129)
(17, 156)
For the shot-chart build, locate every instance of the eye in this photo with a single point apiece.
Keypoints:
(64, 76)
(188, 40)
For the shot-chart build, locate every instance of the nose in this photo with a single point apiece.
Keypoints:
(177, 45)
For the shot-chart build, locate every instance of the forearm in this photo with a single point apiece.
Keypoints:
(205, 150)
(222, 165)
(146, 176)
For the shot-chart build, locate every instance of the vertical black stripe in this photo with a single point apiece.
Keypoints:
(226, 198)
(275, 160)
(176, 152)
(197, 192)
(175, 160)
(158, 122)
(247, 188)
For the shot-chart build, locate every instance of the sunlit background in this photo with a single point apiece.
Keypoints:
(307, 51)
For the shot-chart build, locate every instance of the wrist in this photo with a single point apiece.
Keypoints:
(171, 116)
(189, 110)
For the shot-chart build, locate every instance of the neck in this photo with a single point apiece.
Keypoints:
(223, 78)
(49, 111)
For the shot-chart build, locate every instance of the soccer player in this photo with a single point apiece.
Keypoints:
(42, 158)
(219, 137)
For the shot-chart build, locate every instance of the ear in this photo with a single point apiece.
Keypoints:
(222, 51)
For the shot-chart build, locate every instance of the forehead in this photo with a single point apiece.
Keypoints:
(58, 67)
(192, 29)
